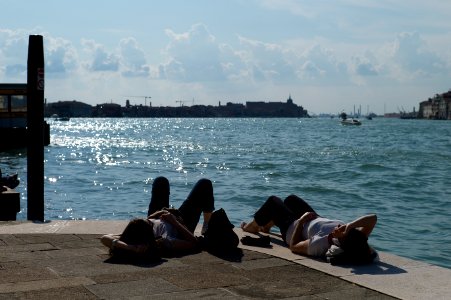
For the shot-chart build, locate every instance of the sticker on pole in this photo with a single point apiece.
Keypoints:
(40, 86)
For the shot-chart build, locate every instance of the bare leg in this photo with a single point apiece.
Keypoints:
(207, 216)
(251, 227)
(267, 227)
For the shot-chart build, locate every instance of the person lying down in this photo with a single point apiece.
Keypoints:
(307, 233)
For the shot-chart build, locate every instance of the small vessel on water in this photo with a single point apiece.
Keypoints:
(351, 122)
(58, 118)
(346, 121)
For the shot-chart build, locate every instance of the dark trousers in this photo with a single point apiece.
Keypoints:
(199, 200)
(281, 213)
(160, 195)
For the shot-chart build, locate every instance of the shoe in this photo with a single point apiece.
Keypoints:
(263, 241)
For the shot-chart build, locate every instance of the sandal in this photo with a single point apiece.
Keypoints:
(263, 241)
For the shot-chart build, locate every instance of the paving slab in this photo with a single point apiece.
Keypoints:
(392, 275)
(63, 226)
(44, 284)
(430, 282)
(220, 293)
(41, 258)
(73, 293)
(123, 290)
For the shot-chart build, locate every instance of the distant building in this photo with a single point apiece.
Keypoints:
(71, 109)
(107, 110)
(275, 109)
(438, 107)
(232, 110)
(286, 109)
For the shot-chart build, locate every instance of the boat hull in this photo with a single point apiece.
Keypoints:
(351, 122)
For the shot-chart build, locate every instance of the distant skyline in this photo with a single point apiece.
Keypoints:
(382, 56)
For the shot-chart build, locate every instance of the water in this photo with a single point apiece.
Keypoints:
(398, 169)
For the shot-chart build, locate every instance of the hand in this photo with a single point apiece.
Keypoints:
(168, 217)
(340, 231)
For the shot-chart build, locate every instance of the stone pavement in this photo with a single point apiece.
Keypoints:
(65, 260)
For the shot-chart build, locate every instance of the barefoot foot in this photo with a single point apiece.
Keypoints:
(267, 227)
(251, 227)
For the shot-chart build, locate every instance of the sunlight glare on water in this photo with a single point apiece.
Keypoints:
(398, 169)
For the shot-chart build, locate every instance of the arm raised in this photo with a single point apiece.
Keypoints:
(112, 241)
(365, 224)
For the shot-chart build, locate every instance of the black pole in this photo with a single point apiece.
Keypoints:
(35, 131)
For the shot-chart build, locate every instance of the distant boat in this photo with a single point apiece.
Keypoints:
(369, 116)
(346, 121)
(57, 118)
(351, 122)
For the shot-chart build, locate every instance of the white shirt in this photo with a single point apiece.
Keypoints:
(316, 231)
(164, 230)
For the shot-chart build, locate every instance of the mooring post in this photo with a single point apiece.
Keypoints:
(35, 130)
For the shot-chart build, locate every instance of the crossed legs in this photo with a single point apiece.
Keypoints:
(277, 212)
(200, 200)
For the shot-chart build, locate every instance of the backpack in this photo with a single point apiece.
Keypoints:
(220, 237)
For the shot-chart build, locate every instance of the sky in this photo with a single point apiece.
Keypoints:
(329, 56)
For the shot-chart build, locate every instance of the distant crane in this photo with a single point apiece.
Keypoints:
(145, 99)
(401, 110)
(181, 102)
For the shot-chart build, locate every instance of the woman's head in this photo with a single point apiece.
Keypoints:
(355, 246)
(138, 232)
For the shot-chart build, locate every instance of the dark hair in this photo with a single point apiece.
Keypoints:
(138, 232)
(356, 248)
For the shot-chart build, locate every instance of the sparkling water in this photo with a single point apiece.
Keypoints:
(398, 169)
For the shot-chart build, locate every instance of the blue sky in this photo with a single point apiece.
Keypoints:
(329, 56)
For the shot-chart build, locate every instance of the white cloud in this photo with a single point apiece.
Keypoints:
(193, 56)
(13, 54)
(133, 59)
(16, 71)
(322, 65)
(60, 55)
(354, 49)
(100, 59)
(14, 44)
(268, 62)
(411, 54)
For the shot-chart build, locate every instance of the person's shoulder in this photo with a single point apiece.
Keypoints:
(322, 221)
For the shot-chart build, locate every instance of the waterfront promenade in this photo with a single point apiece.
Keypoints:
(65, 260)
